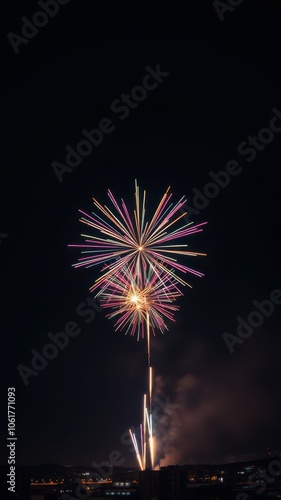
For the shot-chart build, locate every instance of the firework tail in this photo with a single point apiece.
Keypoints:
(135, 443)
(144, 431)
(149, 390)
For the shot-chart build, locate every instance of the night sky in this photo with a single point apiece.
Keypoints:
(220, 84)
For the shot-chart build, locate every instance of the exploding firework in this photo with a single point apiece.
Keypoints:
(136, 299)
(126, 241)
(139, 279)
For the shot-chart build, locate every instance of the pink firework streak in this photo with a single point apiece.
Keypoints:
(124, 241)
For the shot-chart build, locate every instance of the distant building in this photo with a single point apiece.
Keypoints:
(162, 484)
(125, 474)
(120, 489)
(255, 479)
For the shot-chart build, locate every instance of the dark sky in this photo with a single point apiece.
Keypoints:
(222, 82)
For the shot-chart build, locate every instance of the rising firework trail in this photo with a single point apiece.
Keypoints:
(141, 302)
(149, 424)
(135, 443)
(144, 432)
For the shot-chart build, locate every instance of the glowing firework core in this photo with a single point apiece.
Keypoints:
(140, 299)
(136, 298)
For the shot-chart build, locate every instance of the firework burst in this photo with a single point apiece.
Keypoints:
(125, 241)
(134, 298)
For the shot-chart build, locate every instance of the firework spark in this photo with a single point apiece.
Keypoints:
(124, 240)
